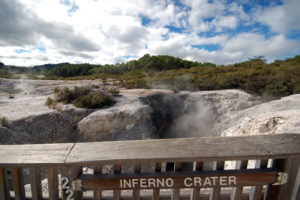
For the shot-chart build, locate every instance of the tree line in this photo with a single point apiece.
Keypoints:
(273, 80)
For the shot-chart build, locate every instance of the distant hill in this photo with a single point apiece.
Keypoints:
(274, 80)
(11, 71)
(40, 68)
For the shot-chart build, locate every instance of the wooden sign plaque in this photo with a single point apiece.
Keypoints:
(171, 180)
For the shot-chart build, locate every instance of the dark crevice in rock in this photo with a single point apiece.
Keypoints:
(166, 108)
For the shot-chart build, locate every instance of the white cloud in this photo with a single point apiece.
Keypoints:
(205, 16)
(238, 48)
(107, 31)
(283, 18)
(252, 44)
(225, 22)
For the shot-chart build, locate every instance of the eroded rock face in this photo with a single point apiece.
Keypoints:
(125, 121)
(279, 116)
(51, 127)
(29, 120)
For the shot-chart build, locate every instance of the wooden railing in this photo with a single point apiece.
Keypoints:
(186, 168)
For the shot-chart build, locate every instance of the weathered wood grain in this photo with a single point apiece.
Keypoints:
(292, 169)
(64, 173)
(164, 150)
(34, 155)
(36, 191)
(117, 193)
(177, 150)
(296, 190)
(237, 193)
(3, 185)
(256, 192)
(216, 193)
(73, 173)
(17, 178)
(97, 193)
(52, 183)
(285, 191)
(156, 192)
(137, 169)
(198, 166)
(176, 192)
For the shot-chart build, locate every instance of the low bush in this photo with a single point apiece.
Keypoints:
(3, 121)
(114, 91)
(67, 96)
(93, 100)
(59, 108)
(83, 97)
(51, 103)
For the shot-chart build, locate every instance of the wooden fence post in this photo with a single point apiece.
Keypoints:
(36, 190)
(17, 177)
(3, 184)
(284, 192)
(73, 173)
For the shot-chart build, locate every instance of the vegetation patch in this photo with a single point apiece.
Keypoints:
(83, 97)
(51, 103)
(255, 76)
(93, 100)
(4, 121)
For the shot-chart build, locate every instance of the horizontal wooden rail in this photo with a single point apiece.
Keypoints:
(186, 149)
(34, 154)
(163, 150)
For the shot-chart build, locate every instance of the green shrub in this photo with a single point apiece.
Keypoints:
(83, 97)
(59, 108)
(65, 96)
(56, 90)
(51, 103)
(95, 86)
(93, 100)
(4, 121)
(48, 101)
(114, 91)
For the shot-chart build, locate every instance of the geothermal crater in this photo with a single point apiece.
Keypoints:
(138, 114)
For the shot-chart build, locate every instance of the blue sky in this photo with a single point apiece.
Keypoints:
(114, 31)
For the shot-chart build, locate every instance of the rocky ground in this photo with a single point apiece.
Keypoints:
(139, 114)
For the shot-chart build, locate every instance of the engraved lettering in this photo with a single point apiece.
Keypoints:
(127, 183)
(197, 181)
(223, 180)
(160, 183)
(188, 182)
(143, 182)
(169, 182)
(232, 180)
(207, 181)
(151, 182)
(214, 178)
(135, 182)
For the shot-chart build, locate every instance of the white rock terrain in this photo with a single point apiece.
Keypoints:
(139, 114)
(278, 116)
